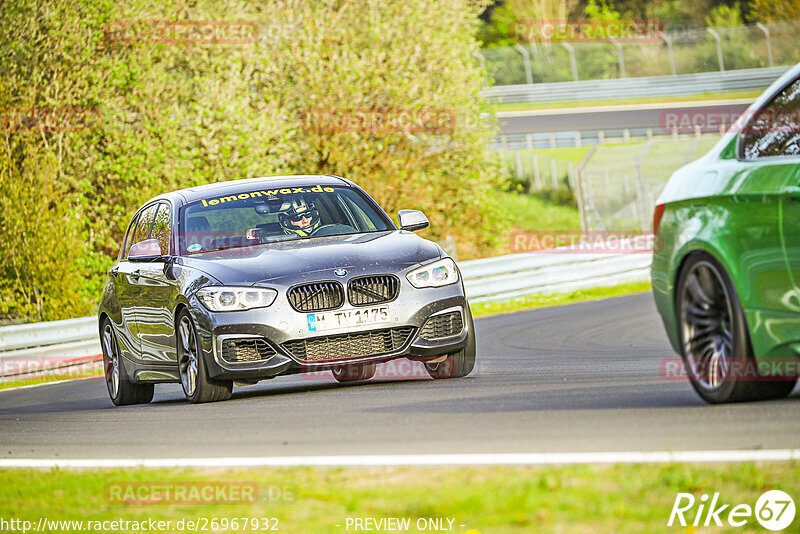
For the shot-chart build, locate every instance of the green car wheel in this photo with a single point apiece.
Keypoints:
(713, 334)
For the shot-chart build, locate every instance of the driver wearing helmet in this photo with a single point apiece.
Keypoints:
(300, 218)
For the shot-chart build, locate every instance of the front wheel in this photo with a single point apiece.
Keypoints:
(122, 391)
(197, 385)
(457, 364)
(714, 339)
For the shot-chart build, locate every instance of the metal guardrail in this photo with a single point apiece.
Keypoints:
(30, 348)
(624, 88)
(530, 273)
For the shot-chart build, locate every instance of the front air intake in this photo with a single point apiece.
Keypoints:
(349, 346)
(442, 326)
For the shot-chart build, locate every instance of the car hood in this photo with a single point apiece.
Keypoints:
(290, 262)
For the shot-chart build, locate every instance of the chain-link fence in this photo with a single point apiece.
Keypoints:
(535, 171)
(683, 51)
(620, 184)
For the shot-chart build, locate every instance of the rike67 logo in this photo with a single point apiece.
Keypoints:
(774, 510)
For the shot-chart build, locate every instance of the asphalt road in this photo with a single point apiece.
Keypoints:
(660, 117)
(583, 377)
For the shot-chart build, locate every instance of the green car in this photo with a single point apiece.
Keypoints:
(726, 262)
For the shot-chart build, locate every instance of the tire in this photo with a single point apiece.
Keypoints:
(197, 385)
(714, 340)
(354, 372)
(457, 364)
(121, 390)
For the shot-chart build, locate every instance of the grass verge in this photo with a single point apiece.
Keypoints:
(583, 498)
(529, 302)
(525, 106)
(532, 213)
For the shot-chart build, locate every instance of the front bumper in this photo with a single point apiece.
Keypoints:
(281, 327)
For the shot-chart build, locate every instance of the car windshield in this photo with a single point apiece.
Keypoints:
(267, 215)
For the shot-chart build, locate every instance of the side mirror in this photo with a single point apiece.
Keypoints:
(412, 220)
(145, 250)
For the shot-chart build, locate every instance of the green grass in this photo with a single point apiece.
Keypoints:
(531, 213)
(588, 498)
(530, 302)
(524, 106)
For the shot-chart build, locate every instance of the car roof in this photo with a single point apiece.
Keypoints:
(190, 194)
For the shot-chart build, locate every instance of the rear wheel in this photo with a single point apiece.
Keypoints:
(197, 385)
(714, 339)
(353, 372)
(457, 364)
(122, 391)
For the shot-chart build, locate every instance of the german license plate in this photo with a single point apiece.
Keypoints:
(335, 320)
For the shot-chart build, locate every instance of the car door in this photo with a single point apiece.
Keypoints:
(158, 294)
(126, 289)
(770, 143)
(130, 275)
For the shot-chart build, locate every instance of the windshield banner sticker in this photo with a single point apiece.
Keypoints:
(265, 193)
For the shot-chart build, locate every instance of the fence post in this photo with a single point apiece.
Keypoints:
(536, 176)
(764, 29)
(620, 56)
(518, 164)
(573, 63)
(527, 57)
(580, 194)
(529, 141)
(715, 35)
(553, 173)
(571, 175)
(667, 39)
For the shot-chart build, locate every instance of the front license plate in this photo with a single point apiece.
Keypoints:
(334, 320)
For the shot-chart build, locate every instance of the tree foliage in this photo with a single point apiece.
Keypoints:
(166, 116)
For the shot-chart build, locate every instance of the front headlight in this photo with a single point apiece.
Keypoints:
(220, 299)
(436, 274)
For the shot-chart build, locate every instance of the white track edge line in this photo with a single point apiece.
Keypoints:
(565, 458)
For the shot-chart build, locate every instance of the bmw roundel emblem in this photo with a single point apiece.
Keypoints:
(340, 272)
